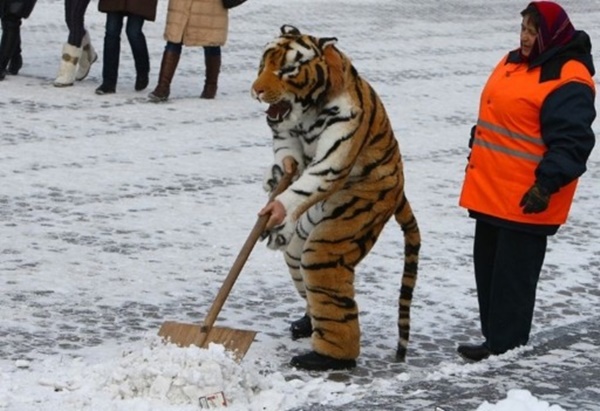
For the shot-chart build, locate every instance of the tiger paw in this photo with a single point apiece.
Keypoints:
(301, 328)
(279, 237)
(272, 177)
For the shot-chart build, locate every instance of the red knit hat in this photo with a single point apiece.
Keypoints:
(555, 27)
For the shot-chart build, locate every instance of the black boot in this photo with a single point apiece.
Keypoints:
(141, 81)
(139, 48)
(16, 62)
(105, 88)
(301, 328)
(11, 35)
(313, 361)
(474, 352)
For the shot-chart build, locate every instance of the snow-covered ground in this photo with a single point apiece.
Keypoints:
(118, 214)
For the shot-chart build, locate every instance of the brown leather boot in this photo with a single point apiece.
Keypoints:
(213, 67)
(168, 66)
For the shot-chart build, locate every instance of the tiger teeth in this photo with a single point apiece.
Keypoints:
(278, 112)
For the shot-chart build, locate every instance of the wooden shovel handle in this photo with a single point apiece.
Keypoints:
(259, 228)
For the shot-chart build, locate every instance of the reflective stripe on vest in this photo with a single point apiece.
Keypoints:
(508, 133)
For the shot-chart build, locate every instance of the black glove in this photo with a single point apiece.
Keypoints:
(471, 140)
(472, 136)
(535, 200)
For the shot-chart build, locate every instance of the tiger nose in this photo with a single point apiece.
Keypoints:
(256, 92)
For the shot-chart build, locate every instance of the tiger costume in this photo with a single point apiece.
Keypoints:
(326, 117)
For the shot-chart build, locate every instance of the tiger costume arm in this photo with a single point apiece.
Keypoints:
(284, 146)
(335, 156)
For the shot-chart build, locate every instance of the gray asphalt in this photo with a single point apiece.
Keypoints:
(562, 367)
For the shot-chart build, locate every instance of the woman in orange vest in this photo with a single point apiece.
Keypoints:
(530, 144)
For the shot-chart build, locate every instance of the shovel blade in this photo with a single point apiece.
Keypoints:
(184, 335)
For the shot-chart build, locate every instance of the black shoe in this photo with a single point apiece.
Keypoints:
(313, 361)
(105, 89)
(16, 62)
(474, 352)
(301, 328)
(141, 82)
(2, 74)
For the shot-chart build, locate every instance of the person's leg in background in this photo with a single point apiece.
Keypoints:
(16, 61)
(75, 18)
(11, 39)
(111, 53)
(168, 65)
(78, 53)
(139, 49)
(212, 62)
(88, 53)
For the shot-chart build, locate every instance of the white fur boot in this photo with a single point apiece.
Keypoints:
(88, 56)
(68, 65)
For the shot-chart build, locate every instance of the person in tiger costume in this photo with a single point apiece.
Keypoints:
(330, 122)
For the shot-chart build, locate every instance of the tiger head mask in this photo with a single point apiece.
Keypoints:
(298, 71)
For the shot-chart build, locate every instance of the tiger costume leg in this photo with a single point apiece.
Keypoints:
(322, 258)
(301, 328)
(323, 273)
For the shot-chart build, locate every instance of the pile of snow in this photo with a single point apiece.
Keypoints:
(152, 375)
(519, 400)
(161, 376)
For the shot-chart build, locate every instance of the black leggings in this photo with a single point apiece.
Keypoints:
(74, 17)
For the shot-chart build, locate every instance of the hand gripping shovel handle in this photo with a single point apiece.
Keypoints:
(259, 228)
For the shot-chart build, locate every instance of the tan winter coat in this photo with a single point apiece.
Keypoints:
(144, 8)
(197, 22)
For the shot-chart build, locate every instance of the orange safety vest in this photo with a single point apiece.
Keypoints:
(508, 145)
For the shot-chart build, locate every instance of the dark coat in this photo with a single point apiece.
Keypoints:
(143, 8)
(19, 8)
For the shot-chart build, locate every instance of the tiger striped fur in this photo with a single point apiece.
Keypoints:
(350, 182)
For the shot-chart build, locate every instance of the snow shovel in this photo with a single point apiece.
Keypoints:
(237, 341)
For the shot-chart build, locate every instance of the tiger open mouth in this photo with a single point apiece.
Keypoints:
(277, 112)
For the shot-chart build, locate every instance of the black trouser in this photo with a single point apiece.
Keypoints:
(74, 17)
(112, 46)
(507, 268)
(10, 45)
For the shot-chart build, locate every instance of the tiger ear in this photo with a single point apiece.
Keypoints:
(288, 29)
(336, 68)
(325, 42)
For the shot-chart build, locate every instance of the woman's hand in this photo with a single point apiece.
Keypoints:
(276, 213)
